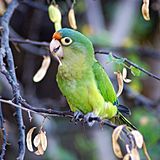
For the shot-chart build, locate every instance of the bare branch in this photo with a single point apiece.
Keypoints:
(3, 130)
(28, 41)
(10, 72)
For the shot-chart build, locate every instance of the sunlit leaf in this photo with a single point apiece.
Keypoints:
(119, 60)
(135, 71)
(110, 58)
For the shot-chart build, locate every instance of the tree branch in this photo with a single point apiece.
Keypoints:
(46, 44)
(50, 112)
(131, 63)
(147, 52)
(10, 73)
(3, 130)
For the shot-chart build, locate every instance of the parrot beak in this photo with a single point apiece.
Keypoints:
(56, 49)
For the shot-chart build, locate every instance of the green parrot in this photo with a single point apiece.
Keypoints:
(82, 80)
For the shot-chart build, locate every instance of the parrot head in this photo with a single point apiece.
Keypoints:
(67, 41)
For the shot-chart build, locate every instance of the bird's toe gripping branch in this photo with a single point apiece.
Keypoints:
(78, 116)
(88, 118)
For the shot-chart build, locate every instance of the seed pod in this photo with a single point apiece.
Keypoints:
(120, 83)
(2, 7)
(37, 140)
(29, 139)
(54, 13)
(57, 26)
(124, 75)
(145, 10)
(116, 146)
(72, 19)
(43, 69)
(40, 150)
(138, 138)
(43, 140)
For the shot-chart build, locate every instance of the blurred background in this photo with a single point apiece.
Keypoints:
(117, 26)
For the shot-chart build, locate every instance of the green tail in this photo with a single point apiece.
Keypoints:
(126, 121)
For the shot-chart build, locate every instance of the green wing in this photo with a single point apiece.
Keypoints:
(104, 84)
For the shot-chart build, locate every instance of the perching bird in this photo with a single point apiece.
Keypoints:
(82, 80)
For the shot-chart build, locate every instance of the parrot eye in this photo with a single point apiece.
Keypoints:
(66, 41)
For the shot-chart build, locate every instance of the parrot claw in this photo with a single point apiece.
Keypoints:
(78, 115)
(87, 118)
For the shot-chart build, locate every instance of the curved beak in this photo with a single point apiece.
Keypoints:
(56, 48)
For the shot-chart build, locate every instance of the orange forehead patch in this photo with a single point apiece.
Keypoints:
(57, 36)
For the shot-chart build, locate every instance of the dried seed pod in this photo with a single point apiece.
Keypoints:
(43, 140)
(2, 7)
(120, 83)
(54, 13)
(145, 10)
(40, 150)
(37, 140)
(29, 139)
(72, 19)
(138, 138)
(43, 69)
(135, 154)
(116, 146)
(124, 75)
(127, 157)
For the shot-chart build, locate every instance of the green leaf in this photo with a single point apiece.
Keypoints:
(120, 61)
(110, 58)
(135, 71)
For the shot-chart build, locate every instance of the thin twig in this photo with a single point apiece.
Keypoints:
(131, 63)
(4, 134)
(10, 73)
(141, 51)
(28, 41)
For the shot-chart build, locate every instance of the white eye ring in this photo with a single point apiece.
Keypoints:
(66, 41)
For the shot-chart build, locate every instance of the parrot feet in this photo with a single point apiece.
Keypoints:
(78, 116)
(88, 118)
